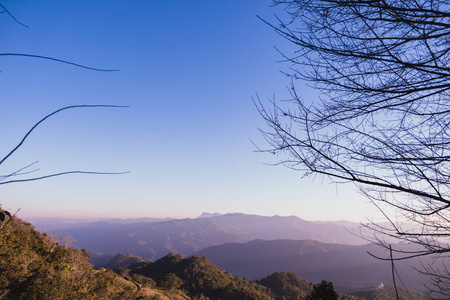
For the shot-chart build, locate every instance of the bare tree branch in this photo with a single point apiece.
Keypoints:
(11, 16)
(58, 60)
(62, 173)
(21, 172)
(382, 71)
(48, 116)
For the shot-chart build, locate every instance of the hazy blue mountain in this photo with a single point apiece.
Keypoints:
(311, 260)
(55, 224)
(294, 228)
(52, 224)
(98, 259)
(209, 215)
(153, 238)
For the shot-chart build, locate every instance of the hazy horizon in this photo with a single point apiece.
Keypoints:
(71, 218)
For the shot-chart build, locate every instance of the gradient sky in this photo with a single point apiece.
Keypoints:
(188, 71)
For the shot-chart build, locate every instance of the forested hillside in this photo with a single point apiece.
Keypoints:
(34, 266)
(200, 278)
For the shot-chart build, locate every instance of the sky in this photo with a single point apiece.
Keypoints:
(188, 71)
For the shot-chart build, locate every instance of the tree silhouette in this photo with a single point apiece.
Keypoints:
(323, 291)
(23, 174)
(381, 121)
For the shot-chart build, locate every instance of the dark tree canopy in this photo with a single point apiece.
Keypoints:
(323, 291)
(382, 69)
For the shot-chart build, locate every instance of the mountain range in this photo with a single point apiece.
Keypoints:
(153, 239)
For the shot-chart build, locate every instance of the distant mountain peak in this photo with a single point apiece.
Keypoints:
(209, 215)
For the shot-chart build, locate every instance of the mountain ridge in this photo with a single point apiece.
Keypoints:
(312, 260)
(186, 236)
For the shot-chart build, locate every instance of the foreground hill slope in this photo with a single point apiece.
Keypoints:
(33, 266)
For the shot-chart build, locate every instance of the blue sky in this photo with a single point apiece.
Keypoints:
(188, 71)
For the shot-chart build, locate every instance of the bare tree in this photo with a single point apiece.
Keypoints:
(25, 171)
(382, 69)
(24, 174)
